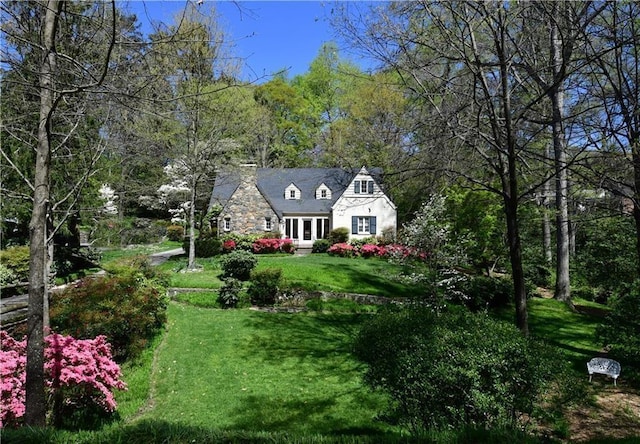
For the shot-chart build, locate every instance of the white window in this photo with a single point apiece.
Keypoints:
(363, 186)
(323, 194)
(267, 224)
(363, 225)
(227, 224)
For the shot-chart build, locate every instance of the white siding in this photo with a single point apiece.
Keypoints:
(376, 205)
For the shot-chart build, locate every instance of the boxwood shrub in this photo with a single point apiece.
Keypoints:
(264, 286)
(238, 264)
(455, 369)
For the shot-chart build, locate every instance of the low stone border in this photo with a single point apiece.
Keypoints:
(294, 300)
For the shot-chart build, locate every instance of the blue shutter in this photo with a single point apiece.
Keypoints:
(356, 187)
(354, 224)
(372, 225)
(370, 184)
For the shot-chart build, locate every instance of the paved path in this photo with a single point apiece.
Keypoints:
(163, 256)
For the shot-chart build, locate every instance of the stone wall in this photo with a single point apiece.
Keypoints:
(247, 208)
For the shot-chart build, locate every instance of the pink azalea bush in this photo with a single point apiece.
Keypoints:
(342, 249)
(79, 372)
(273, 245)
(371, 250)
(391, 251)
(13, 362)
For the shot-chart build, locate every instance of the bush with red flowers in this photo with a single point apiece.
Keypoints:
(273, 245)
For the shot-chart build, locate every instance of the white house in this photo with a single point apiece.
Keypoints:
(303, 204)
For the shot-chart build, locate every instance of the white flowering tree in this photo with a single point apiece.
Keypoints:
(108, 197)
(429, 230)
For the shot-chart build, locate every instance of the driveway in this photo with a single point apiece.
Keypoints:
(159, 258)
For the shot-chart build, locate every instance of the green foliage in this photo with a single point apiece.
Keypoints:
(339, 235)
(454, 369)
(605, 258)
(620, 331)
(128, 307)
(130, 231)
(16, 259)
(477, 225)
(175, 233)
(321, 246)
(238, 264)
(264, 286)
(206, 245)
(7, 276)
(482, 292)
(243, 241)
(230, 293)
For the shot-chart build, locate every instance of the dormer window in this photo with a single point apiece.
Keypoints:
(292, 192)
(323, 192)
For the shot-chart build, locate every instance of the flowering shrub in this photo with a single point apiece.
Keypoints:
(80, 373)
(392, 252)
(13, 362)
(402, 253)
(228, 246)
(342, 249)
(371, 250)
(272, 245)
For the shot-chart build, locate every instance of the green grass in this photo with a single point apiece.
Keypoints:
(203, 299)
(314, 272)
(321, 272)
(255, 371)
(572, 332)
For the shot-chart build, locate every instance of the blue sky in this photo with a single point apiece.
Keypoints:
(269, 35)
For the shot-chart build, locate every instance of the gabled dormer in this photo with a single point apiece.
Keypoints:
(292, 192)
(323, 192)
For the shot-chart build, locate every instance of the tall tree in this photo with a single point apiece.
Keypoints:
(62, 72)
(615, 88)
(193, 54)
(565, 24)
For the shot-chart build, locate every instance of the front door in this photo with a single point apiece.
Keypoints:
(306, 230)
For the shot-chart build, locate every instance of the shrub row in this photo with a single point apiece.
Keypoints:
(392, 251)
(209, 245)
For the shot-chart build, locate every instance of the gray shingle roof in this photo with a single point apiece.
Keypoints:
(272, 183)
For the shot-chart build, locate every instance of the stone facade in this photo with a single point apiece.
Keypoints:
(247, 211)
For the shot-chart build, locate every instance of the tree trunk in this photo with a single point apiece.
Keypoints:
(192, 229)
(556, 93)
(515, 256)
(546, 223)
(36, 406)
(635, 143)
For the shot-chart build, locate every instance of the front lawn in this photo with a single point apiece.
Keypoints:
(313, 272)
(255, 371)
